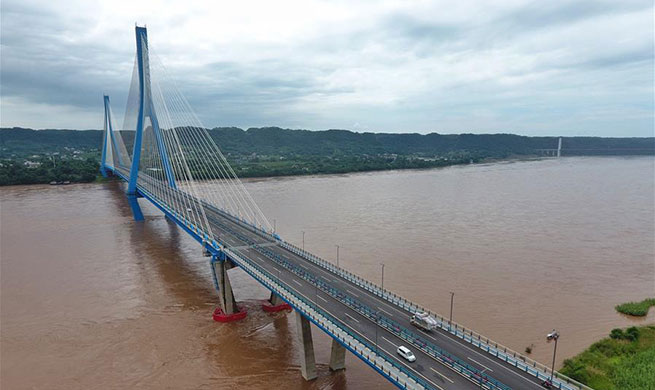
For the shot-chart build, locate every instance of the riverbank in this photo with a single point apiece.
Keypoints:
(18, 174)
(623, 361)
(75, 171)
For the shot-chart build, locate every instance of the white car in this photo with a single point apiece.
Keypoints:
(406, 353)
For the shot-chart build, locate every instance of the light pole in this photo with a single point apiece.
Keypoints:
(274, 225)
(450, 321)
(382, 264)
(554, 335)
(303, 240)
(337, 256)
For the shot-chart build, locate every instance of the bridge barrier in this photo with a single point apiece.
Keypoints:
(463, 368)
(518, 360)
(328, 323)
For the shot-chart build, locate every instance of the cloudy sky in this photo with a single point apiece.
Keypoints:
(534, 68)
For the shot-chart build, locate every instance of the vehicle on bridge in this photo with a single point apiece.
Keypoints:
(406, 353)
(424, 321)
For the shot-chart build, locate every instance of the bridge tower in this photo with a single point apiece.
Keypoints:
(147, 117)
(146, 121)
(107, 159)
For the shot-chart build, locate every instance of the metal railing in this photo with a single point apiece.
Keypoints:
(354, 342)
(464, 369)
(516, 359)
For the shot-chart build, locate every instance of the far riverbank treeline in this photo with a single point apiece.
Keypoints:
(26, 154)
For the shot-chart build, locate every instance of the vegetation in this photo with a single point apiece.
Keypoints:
(45, 171)
(624, 361)
(639, 309)
(273, 151)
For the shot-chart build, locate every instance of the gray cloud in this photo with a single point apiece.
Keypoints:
(562, 67)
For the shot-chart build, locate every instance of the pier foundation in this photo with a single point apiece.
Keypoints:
(275, 304)
(228, 310)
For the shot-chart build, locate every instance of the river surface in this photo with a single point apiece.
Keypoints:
(91, 299)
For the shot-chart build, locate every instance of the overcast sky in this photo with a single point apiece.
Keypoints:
(534, 68)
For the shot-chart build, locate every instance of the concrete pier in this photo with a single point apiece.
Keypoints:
(307, 360)
(337, 356)
(275, 299)
(225, 295)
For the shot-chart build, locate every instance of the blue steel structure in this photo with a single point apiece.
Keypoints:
(230, 239)
(146, 112)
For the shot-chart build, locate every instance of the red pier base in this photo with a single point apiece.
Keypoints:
(267, 307)
(222, 317)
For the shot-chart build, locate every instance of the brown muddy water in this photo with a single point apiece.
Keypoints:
(91, 299)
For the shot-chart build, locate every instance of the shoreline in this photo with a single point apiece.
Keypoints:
(99, 179)
(487, 161)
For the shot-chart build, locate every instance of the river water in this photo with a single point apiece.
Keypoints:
(91, 299)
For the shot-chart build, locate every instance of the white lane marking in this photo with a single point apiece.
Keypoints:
(347, 315)
(387, 340)
(328, 279)
(462, 343)
(475, 361)
(352, 293)
(442, 375)
(321, 298)
(491, 360)
(297, 282)
(427, 335)
(370, 341)
(382, 310)
(412, 369)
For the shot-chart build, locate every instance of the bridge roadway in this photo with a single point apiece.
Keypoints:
(231, 232)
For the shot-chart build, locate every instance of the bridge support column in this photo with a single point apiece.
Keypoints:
(337, 356)
(225, 295)
(228, 310)
(134, 205)
(275, 299)
(307, 360)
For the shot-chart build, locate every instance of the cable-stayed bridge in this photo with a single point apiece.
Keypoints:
(168, 158)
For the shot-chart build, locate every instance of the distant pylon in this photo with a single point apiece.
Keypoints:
(107, 159)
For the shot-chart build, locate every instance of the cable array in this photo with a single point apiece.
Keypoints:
(180, 163)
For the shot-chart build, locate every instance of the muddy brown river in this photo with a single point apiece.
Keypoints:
(91, 299)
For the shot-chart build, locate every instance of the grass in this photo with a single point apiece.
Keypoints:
(639, 309)
(623, 361)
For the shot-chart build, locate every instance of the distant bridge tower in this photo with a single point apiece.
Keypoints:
(559, 147)
(108, 146)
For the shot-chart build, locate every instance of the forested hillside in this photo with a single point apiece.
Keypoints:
(41, 156)
(277, 141)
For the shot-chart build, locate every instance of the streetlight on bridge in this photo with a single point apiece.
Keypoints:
(554, 335)
(337, 256)
(450, 321)
(303, 240)
(382, 264)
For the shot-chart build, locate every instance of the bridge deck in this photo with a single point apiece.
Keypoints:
(352, 305)
(439, 375)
